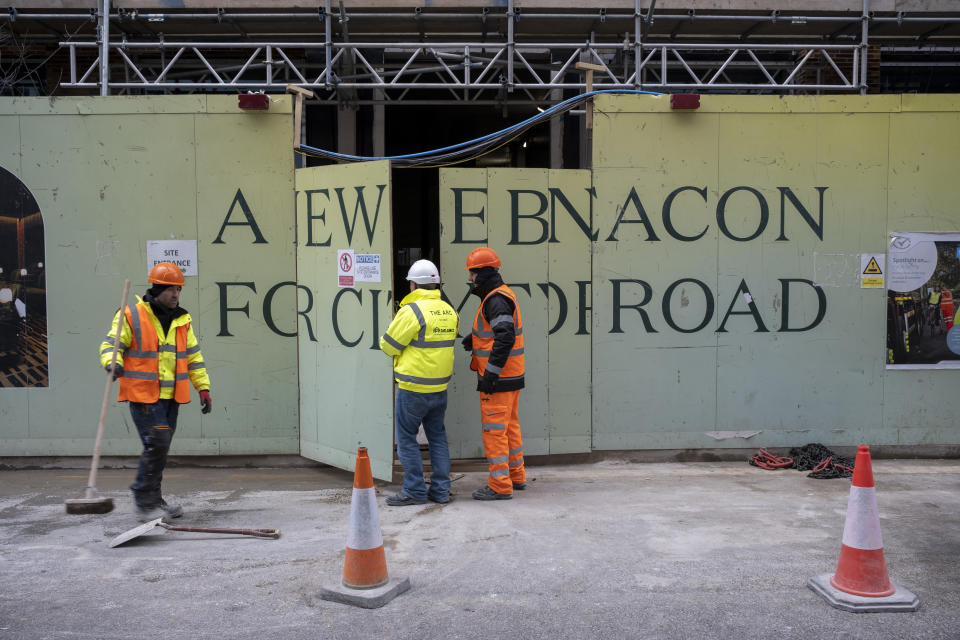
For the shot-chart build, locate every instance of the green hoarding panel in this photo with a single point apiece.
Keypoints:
(245, 225)
(517, 212)
(346, 396)
(111, 174)
(788, 192)
(463, 191)
(567, 294)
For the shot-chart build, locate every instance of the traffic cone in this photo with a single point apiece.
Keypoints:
(366, 582)
(861, 582)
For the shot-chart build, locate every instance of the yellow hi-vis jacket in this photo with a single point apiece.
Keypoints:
(421, 339)
(155, 374)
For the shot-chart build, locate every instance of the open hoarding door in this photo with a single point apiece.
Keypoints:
(345, 303)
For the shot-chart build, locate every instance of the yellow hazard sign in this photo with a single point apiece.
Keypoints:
(871, 273)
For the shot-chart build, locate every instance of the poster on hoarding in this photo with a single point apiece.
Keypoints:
(368, 267)
(923, 276)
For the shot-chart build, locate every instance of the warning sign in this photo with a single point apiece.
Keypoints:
(871, 273)
(346, 268)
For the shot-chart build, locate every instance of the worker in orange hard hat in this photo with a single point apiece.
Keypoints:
(158, 354)
(496, 346)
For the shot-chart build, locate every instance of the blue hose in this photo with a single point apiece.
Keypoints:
(505, 133)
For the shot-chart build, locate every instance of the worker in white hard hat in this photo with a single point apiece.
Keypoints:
(421, 339)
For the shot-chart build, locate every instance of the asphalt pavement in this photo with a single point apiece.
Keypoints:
(611, 549)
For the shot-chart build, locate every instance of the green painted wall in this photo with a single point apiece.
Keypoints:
(703, 314)
(610, 366)
(112, 173)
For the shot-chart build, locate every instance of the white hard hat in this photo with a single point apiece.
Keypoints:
(424, 272)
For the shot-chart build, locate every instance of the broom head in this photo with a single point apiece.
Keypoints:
(79, 506)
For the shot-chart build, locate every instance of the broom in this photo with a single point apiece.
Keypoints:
(91, 503)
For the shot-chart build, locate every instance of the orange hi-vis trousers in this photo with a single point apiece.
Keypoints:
(502, 441)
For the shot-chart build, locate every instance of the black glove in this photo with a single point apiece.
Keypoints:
(467, 342)
(487, 383)
(117, 371)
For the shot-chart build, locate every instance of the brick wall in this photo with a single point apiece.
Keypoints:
(844, 61)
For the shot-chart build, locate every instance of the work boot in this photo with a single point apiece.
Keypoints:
(400, 499)
(172, 510)
(146, 514)
(486, 493)
(519, 486)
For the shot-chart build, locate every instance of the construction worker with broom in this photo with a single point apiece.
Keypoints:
(421, 339)
(158, 354)
(496, 346)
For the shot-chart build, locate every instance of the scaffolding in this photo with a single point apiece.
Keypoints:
(482, 56)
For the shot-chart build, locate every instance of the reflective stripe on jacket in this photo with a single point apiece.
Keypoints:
(155, 368)
(421, 339)
(483, 338)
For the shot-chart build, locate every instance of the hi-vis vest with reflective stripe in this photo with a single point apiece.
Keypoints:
(483, 339)
(421, 340)
(141, 377)
(155, 367)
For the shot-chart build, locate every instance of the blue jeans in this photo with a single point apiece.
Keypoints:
(155, 423)
(410, 410)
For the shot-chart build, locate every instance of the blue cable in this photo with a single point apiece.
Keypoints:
(546, 114)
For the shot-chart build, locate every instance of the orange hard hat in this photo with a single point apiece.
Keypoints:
(166, 273)
(483, 257)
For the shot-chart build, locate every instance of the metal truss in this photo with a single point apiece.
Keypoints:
(462, 71)
(378, 60)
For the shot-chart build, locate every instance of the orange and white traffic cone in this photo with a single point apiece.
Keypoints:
(861, 582)
(365, 580)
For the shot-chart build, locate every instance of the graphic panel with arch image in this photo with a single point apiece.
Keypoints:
(23, 289)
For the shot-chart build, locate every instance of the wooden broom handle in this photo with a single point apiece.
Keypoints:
(92, 479)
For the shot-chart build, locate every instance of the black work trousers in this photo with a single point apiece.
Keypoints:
(156, 424)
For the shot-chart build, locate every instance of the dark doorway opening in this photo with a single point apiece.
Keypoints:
(416, 197)
(411, 128)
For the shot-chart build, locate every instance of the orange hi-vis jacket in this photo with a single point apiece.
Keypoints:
(946, 303)
(155, 367)
(483, 339)
(946, 307)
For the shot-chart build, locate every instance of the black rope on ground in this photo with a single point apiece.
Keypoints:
(821, 461)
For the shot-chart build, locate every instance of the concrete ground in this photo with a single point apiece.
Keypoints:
(603, 550)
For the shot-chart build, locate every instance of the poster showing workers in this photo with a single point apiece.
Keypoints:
(23, 307)
(923, 282)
